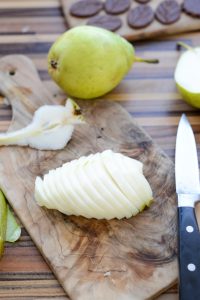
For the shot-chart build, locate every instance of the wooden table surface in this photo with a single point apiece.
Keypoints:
(30, 27)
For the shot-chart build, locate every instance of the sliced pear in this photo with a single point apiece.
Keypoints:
(110, 204)
(39, 193)
(187, 75)
(140, 184)
(69, 187)
(116, 197)
(92, 207)
(88, 188)
(3, 222)
(13, 230)
(53, 195)
(70, 206)
(86, 182)
(112, 165)
(104, 185)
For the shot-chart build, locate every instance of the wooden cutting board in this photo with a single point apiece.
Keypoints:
(186, 22)
(93, 260)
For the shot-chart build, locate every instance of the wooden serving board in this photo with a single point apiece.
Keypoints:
(185, 24)
(93, 260)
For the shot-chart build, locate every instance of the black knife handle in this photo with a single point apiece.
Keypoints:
(189, 254)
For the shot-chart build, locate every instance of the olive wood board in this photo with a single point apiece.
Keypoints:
(186, 22)
(92, 259)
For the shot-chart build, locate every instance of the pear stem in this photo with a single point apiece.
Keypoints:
(149, 61)
(181, 44)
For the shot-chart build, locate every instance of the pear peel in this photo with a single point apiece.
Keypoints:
(187, 75)
(51, 128)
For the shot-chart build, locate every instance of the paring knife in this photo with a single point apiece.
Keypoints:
(188, 190)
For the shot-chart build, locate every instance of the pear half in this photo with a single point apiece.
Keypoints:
(187, 76)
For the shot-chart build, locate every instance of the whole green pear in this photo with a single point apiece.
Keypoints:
(187, 75)
(87, 61)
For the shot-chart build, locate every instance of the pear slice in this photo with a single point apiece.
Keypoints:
(98, 201)
(114, 194)
(97, 178)
(187, 75)
(3, 222)
(13, 230)
(69, 185)
(93, 206)
(112, 164)
(51, 128)
(67, 203)
(52, 194)
(90, 182)
(139, 182)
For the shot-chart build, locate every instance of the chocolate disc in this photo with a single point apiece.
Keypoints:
(142, 1)
(86, 8)
(111, 23)
(140, 16)
(168, 12)
(116, 6)
(192, 7)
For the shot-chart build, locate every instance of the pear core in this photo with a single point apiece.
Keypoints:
(87, 61)
(187, 76)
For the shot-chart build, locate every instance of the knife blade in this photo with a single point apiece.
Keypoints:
(188, 191)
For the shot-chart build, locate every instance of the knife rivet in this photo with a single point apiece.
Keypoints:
(189, 229)
(191, 267)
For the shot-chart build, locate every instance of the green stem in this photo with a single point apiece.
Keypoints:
(181, 44)
(149, 61)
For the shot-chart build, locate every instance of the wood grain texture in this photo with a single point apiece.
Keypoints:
(155, 29)
(148, 93)
(127, 259)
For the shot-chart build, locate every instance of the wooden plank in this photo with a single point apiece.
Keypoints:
(29, 25)
(28, 4)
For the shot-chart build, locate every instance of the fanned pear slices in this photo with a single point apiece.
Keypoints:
(104, 185)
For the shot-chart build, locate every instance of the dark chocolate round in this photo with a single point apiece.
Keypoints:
(108, 22)
(140, 16)
(116, 6)
(142, 1)
(192, 7)
(86, 8)
(168, 12)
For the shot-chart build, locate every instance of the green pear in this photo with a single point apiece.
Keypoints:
(187, 75)
(87, 61)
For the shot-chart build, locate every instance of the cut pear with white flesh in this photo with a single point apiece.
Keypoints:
(51, 128)
(92, 206)
(91, 192)
(104, 185)
(70, 190)
(51, 190)
(187, 76)
(112, 167)
(141, 185)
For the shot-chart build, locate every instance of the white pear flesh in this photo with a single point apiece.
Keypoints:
(187, 76)
(120, 179)
(104, 185)
(51, 128)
